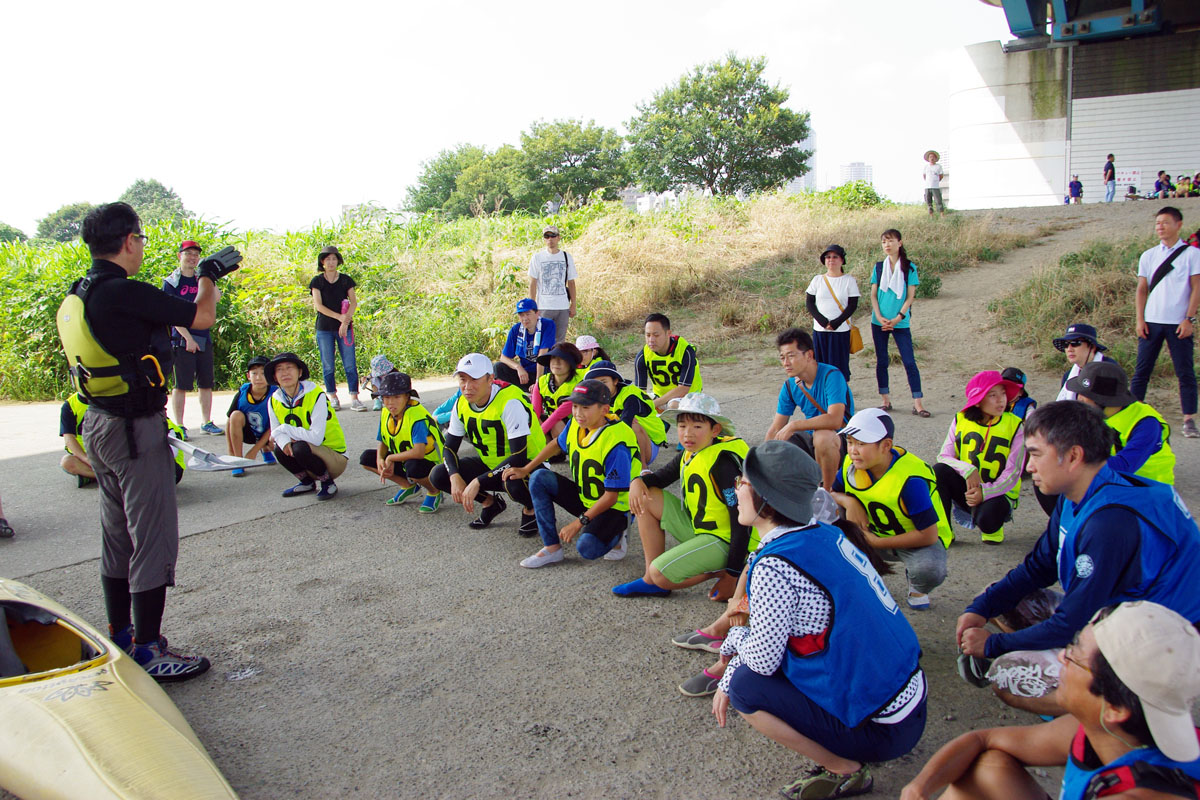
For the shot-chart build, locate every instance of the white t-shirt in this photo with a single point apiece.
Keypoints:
(845, 286)
(1167, 304)
(552, 271)
(933, 175)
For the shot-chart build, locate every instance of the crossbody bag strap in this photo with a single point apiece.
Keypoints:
(811, 399)
(829, 286)
(1165, 268)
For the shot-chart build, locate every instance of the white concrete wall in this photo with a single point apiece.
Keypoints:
(1160, 130)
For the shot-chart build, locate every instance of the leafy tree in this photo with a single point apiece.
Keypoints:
(495, 184)
(155, 202)
(439, 177)
(722, 127)
(64, 224)
(10, 234)
(567, 157)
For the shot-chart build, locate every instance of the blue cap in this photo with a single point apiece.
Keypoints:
(526, 304)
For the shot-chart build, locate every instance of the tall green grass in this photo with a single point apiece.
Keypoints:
(1094, 285)
(430, 290)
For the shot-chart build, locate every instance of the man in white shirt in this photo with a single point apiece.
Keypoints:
(933, 181)
(1166, 304)
(552, 282)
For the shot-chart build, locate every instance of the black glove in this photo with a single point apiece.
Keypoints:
(219, 264)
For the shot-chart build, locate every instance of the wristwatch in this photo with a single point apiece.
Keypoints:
(1192, 320)
(585, 520)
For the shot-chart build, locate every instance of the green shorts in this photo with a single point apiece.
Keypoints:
(696, 553)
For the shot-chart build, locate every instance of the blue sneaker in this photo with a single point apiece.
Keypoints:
(639, 588)
(431, 503)
(211, 429)
(268, 458)
(166, 666)
(299, 489)
(239, 472)
(328, 490)
(122, 638)
(402, 495)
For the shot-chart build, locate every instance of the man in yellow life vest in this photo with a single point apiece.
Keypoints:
(634, 408)
(410, 443)
(890, 494)
(1143, 444)
(712, 543)
(600, 449)
(306, 436)
(667, 367)
(498, 420)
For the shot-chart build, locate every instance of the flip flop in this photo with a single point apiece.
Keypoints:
(6, 531)
(886, 406)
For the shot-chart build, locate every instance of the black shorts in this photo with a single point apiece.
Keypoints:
(804, 440)
(194, 368)
(248, 436)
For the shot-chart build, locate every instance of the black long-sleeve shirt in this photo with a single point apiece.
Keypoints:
(810, 302)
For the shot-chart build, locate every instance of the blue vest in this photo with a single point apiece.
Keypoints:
(1170, 543)
(256, 413)
(1023, 406)
(855, 668)
(1078, 776)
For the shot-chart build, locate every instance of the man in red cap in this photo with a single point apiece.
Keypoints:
(193, 348)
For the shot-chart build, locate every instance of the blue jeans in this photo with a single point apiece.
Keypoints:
(326, 342)
(903, 337)
(1182, 354)
(549, 489)
(1110, 191)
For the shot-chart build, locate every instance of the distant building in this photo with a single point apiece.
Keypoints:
(857, 171)
(808, 181)
(365, 212)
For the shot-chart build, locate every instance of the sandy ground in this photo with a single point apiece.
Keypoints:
(360, 650)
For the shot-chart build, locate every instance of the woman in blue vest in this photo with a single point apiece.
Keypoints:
(828, 665)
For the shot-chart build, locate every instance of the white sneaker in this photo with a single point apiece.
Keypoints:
(618, 552)
(357, 405)
(542, 558)
(333, 401)
(918, 601)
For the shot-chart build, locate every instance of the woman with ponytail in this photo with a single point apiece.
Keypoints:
(893, 288)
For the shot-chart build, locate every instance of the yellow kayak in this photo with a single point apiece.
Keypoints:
(79, 717)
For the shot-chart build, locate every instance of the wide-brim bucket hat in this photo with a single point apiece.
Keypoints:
(784, 476)
(329, 251)
(285, 358)
(396, 383)
(1078, 330)
(933, 153)
(698, 403)
(983, 382)
(1104, 383)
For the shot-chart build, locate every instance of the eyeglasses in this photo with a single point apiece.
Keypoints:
(145, 239)
(739, 481)
(1077, 343)
(549, 235)
(1067, 657)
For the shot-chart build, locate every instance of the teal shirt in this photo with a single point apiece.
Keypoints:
(889, 304)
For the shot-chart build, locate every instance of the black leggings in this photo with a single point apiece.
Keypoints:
(989, 516)
(302, 461)
(412, 468)
(472, 467)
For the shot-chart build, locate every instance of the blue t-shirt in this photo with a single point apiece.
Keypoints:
(915, 496)
(828, 387)
(525, 345)
(889, 304)
(256, 413)
(1076, 189)
(618, 464)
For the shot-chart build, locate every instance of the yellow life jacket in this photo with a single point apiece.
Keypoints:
(180, 456)
(396, 434)
(485, 427)
(78, 407)
(552, 397)
(651, 422)
(881, 498)
(586, 452)
(301, 416)
(702, 497)
(664, 370)
(988, 447)
(1158, 467)
(95, 371)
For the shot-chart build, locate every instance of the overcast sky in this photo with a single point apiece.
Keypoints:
(274, 115)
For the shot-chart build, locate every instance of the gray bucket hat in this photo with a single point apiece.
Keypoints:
(785, 476)
(698, 403)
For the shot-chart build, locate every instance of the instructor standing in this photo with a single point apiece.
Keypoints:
(552, 283)
(115, 334)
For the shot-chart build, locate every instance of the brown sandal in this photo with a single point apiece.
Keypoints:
(921, 413)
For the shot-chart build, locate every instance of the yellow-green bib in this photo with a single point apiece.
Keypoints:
(651, 423)
(1158, 467)
(987, 447)
(396, 435)
(552, 397)
(586, 452)
(663, 371)
(885, 511)
(701, 497)
(301, 417)
(485, 428)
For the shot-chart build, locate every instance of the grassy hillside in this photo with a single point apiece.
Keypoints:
(430, 291)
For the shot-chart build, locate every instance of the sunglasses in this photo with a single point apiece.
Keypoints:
(549, 235)
(1077, 343)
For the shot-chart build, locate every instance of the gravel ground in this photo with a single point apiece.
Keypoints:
(361, 650)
